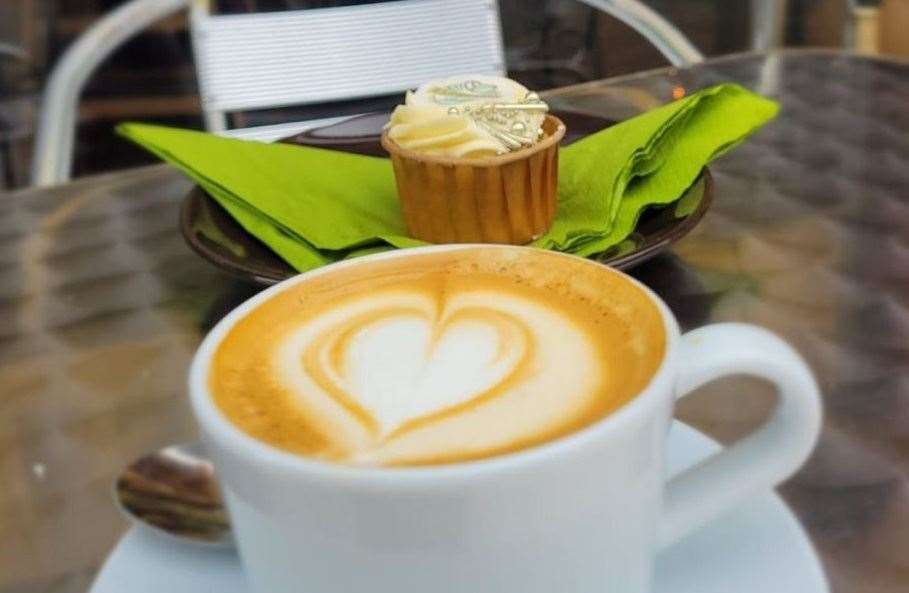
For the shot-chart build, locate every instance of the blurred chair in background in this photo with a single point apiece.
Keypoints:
(768, 23)
(864, 33)
(253, 61)
(10, 107)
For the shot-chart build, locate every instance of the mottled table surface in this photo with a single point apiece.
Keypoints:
(102, 304)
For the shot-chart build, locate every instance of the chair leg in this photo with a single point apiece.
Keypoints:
(54, 138)
(866, 38)
(4, 173)
(768, 24)
(670, 42)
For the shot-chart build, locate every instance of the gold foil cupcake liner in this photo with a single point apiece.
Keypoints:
(509, 198)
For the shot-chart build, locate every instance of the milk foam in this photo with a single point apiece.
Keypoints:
(437, 358)
(396, 373)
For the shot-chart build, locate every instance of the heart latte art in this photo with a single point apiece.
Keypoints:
(436, 358)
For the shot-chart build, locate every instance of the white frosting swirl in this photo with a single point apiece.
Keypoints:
(433, 119)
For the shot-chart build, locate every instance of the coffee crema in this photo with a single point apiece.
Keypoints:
(437, 357)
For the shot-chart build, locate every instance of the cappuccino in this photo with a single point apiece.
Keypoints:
(437, 357)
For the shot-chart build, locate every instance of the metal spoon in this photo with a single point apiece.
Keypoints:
(174, 491)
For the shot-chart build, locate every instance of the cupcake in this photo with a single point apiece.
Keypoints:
(475, 161)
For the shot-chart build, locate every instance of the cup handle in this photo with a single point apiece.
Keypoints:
(764, 458)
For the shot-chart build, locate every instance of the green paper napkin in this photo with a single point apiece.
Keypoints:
(314, 206)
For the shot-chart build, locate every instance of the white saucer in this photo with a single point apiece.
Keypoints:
(759, 548)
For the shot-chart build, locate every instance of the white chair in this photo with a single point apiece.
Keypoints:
(264, 60)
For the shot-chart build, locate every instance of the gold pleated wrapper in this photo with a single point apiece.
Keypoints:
(509, 198)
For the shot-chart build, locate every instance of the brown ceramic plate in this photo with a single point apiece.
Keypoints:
(213, 234)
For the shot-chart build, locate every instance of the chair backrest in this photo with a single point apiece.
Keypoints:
(263, 60)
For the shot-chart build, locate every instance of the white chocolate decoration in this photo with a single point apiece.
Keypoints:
(468, 116)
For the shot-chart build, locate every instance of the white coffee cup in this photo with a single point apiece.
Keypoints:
(582, 514)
